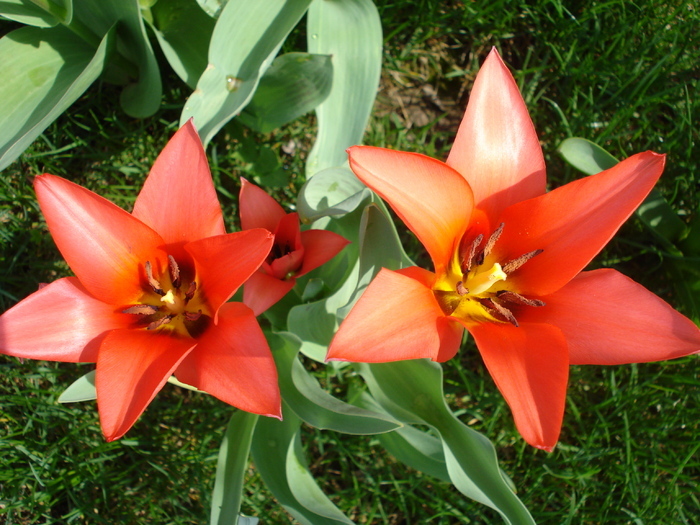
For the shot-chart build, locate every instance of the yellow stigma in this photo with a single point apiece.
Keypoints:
(482, 281)
(168, 298)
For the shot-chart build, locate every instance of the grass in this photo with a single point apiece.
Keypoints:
(620, 73)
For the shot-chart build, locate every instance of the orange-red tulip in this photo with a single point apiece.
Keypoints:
(295, 252)
(507, 258)
(148, 299)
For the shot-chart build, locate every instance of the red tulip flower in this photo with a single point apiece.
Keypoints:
(294, 253)
(148, 299)
(508, 258)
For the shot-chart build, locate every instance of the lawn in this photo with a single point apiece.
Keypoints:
(621, 74)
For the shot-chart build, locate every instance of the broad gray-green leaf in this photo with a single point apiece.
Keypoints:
(654, 212)
(246, 38)
(212, 7)
(82, 389)
(44, 71)
(141, 96)
(183, 31)
(412, 391)
(331, 192)
(313, 404)
(271, 447)
(27, 12)
(294, 84)
(351, 32)
(231, 466)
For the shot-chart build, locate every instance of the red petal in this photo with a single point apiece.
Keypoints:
(223, 263)
(432, 199)
(608, 319)
(496, 148)
(396, 318)
(132, 366)
(261, 291)
(573, 223)
(233, 362)
(287, 233)
(257, 209)
(60, 322)
(450, 333)
(320, 246)
(104, 245)
(530, 366)
(178, 199)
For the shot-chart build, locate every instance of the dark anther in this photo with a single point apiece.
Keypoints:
(513, 265)
(492, 240)
(141, 309)
(516, 298)
(160, 322)
(152, 281)
(494, 307)
(461, 290)
(190, 291)
(193, 316)
(469, 260)
(174, 272)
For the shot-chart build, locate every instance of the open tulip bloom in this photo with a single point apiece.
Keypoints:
(508, 258)
(148, 299)
(294, 253)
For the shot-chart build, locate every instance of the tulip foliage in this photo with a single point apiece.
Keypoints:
(165, 294)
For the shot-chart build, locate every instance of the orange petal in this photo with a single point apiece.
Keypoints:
(320, 246)
(431, 198)
(496, 148)
(233, 362)
(257, 209)
(132, 366)
(530, 366)
(178, 199)
(573, 223)
(60, 322)
(261, 291)
(224, 262)
(608, 319)
(104, 245)
(396, 318)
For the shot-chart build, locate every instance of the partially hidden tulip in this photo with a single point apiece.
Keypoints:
(294, 253)
(507, 262)
(149, 296)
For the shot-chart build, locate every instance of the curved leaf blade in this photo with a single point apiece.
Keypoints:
(27, 12)
(332, 192)
(82, 389)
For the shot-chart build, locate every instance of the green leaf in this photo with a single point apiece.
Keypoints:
(231, 467)
(183, 31)
(313, 404)
(212, 7)
(29, 13)
(82, 389)
(655, 212)
(411, 391)
(351, 32)
(44, 71)
(295, 84)
(413, 447)
(332, 192)
(246, 38)
(275, 457)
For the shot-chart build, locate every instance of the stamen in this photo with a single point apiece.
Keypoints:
(141, 309)
(190, 291)
(160, 322)
(152, 281)
(468, 261)
(174, 272)
(502, 310)
(516, 298)
(193, 316)
(461, 290)
(513, 265)
(492, 240)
